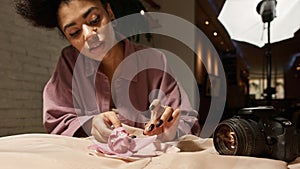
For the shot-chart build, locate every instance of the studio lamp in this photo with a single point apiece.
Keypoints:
(267, 10)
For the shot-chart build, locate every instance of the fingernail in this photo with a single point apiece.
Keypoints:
(159, 123)
(151, 127)
(152, 107)
(170, 119)
(132, 136)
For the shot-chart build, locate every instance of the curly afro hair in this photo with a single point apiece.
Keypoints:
(41, 13)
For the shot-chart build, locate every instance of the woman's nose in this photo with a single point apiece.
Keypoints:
(88, 32)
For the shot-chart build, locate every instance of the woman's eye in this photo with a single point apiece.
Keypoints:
(73, 34)
(95, 21)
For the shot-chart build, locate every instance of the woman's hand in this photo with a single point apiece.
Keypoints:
(165, 126)
(103, 124)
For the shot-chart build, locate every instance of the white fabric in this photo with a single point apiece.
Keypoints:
(46, 151)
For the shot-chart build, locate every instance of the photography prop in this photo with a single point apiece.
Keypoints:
(246, 21)
(258, 132)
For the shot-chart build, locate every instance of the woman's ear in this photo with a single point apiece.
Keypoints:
(110, 12)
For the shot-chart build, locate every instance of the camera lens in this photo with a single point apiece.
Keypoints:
(238, 137)
(227, 140)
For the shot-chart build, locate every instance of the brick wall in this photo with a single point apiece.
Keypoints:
(27, 58)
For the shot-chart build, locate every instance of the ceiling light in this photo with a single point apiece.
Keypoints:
(142, 12)
(206, 22)
(222, 43)
(215, 33)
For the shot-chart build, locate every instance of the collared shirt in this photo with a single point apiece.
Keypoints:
(78, 90)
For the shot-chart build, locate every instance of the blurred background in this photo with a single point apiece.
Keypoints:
(28, 56)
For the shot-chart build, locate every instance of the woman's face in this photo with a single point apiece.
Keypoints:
(85, 25)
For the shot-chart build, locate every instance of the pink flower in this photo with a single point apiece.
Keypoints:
(122, 145)
(120, 142)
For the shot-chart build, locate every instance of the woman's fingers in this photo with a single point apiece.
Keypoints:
(150, 129)
(168, 121)
(99, 129)
(170, 127)
(102, 125)
(112, 119)
(173, 118)
(165, 117)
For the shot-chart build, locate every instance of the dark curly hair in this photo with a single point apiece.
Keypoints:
(41, 13)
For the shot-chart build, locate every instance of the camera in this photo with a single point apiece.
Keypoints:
(259, 132)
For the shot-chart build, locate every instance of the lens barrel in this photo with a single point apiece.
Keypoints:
(238, 136)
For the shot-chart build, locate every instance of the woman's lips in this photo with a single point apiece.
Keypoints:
(94, 47)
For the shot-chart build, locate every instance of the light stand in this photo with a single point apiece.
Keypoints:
(269, 91)
(266, 8)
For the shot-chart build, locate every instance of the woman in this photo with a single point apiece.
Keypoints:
(76, 104)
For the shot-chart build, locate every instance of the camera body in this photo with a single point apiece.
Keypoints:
(260, 132)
